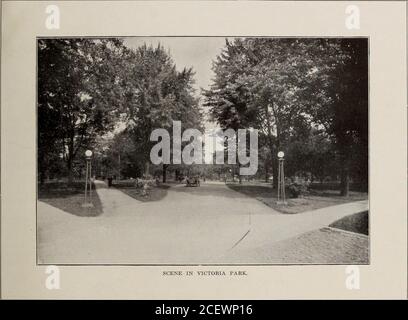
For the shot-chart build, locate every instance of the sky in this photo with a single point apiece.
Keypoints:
(195, 52)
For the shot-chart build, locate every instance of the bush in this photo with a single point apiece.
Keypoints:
(144, 183)
(297, 189)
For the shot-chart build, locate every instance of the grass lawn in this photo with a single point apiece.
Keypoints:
(154, 193)
(315, 200)
(69, 197)
(357, 222)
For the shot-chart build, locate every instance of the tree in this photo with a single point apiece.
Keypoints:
(118, 155)
(286, 87)
(255, 86)
(336, 96)
(312, 155)
(156, 95)
(74, 76)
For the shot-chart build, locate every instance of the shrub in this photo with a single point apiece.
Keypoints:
(297, 189)
(144, 183)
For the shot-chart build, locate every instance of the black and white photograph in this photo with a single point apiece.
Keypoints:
(202, 150)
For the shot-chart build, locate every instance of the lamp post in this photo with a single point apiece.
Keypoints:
(281, 179)
(88, 181)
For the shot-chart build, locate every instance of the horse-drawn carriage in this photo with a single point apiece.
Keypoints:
(193, 181)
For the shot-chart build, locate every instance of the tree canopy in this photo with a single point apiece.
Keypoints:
(87, 86)
(307, 97)
(291, 90)
(73, 107)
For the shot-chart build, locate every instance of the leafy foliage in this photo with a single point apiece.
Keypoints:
(87, 88)
(296, 92)
(74, 76)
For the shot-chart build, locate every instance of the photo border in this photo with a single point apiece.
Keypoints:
(367, 38)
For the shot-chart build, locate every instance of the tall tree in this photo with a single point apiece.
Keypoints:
(74, 76)
(157, 94)
(285, 87)
(335, 94)
(254, 86)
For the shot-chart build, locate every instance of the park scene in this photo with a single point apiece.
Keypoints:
(202, 150)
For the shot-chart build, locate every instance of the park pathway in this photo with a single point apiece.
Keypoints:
(113, 199)
(266, 229)
(188, 226)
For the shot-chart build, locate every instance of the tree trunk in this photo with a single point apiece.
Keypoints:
(345, 181)
(344, 170)
(275, 164)
(275, 173)
(273, 147)
(239, 173)
(266, 172)
(70, 172)
(70, 159)
(164, 172)
(147, 168)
